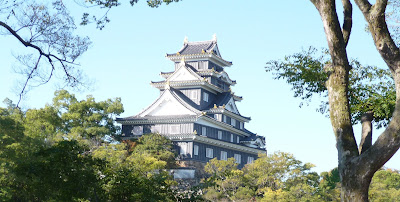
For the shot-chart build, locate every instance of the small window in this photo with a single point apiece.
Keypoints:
(233, 122)
(231, 137)
(238, 158)
(137, 130)
(241, 125)
(209, 153)
(237, 139)
(225, 118)
(205, 96)
(217, 117)
(193, 95)
(220, 135)
(156, 129)
(203, 131)
(250, 159)
(195, 150)
(224, 155)
(174, 129)
(183, 148)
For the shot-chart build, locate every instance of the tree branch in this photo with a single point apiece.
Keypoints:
(380, 6)
(364, 5)
(50, 58)
(389, 141)
(348, 21)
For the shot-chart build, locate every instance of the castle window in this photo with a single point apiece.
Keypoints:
(224, 155)
(220, 135)
(156, 129)
(174, 129)
(196, 150)
(241, 125)
(205, 96)
(250, 159)
(231, 137)
(237, 139)
(224, 118)
(203, 131)
(193, 95)
(183, 147)
(209, 153)
(137, 130)
(217, 116)
(233, 122)
(238, 158)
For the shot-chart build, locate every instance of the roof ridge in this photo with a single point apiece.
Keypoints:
(200, 42)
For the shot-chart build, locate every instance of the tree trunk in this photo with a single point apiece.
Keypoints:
(355, 182)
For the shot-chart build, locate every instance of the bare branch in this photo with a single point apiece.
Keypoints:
(28, 79)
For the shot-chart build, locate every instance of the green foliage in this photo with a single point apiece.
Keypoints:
(278, 177)
(226, 181)
(87, 118)
(385, 186)
(156, 146)
(61, 172)
(59, 153)
(370, 89)
(137, 175)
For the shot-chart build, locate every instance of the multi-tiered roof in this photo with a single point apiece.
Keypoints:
(196, 104)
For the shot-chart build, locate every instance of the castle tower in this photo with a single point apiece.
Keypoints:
(196, 109)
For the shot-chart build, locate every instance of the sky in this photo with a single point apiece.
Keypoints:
(130, 52)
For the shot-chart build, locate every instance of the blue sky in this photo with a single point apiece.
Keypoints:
(130, 52)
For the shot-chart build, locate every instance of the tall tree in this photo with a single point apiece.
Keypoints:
(357, 164)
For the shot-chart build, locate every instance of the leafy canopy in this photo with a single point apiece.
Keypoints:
(371, 89)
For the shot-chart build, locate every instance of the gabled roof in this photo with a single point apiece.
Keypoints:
(198, 47)
(192, 83)
(170, 103)
(200, 50)
(228, 100)
(184, 73)
(255, 141)
(225, 103)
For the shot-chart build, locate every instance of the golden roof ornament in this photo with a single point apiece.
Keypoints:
(202, 51)
(195, 132)
(185, 40)
(178, 53)
(223, 106)
(215, 106)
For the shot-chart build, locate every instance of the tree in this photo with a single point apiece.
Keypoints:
(136, 173)
(46, 29)
(48, 33)
(357, 165)
(277, 177)
(46, 155)
(385, 186)
(61, 153)
(226, 181)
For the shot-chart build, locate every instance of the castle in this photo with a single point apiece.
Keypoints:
(196, 109)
